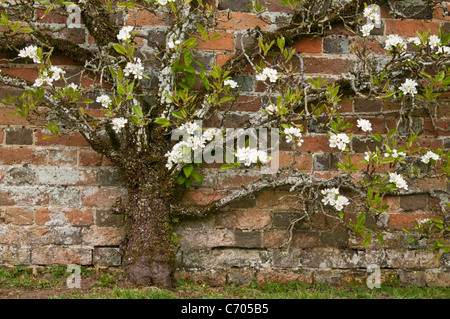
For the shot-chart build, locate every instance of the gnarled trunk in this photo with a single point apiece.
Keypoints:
(149, 257)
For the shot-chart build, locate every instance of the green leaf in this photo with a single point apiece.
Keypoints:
(137, 110)
(366, 241)
(88, 101)
(120, 49)
(227, 166)
(162, 121)
(180, 180)
(188, 169)
(195, 175)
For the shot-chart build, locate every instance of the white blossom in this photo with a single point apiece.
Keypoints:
(231, 83)
(135, 68)
(409, 87)
(30, 52)
(210, 133)
(333, 198)
(394, 153)
(429, 155)
(189, 127)
(125, 33)
(398, 180)
(371, 14)
(394, 41)
(269, 73)
(56, 73)
(73, 86)
(367, 155)
(366, 29)
(38, 82)
(104, 99)
(339, 140)
(434, 41)
(250, 156)
(271, 109)
(118, 124)
(414, 40)
(365, 125)
(294, 133)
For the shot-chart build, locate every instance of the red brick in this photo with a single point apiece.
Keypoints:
(92, 158)
(103, 236)
(52, 17)
(317, 143)
(19, 216)
(62, 157)
(243, 103)
(326, 65)
(405, 220)
(102, 197)
(142, 18)
(28, 74)
(308, 45)
(69, 139)
(409, 28)
(438, 13)
(243, 21)
(243, 219)
(8, 117)
(75, 217)
(304, 162)
(441, 127)
(222, 58)
(10, 156)
(432, 183)
(61, 255)
(273, 239)
(224, 43)
(203, 196)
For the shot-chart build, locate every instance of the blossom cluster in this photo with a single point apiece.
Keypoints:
(429, 156)
(248, 156)
(118, 124)
(105, 100)
(339, 140)
(192, 141)
(409, 87)
(393, 42)
(231, 83)
(293, 133)
(398, 180)
(364, 125)
(394, 153)
(373, 17)
(267, 73)
(333, 198)
(125, 33)
(45, 77)
(30, 52)
(164, 2)
(135, 68)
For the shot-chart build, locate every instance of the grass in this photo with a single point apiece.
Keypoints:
(51, 283)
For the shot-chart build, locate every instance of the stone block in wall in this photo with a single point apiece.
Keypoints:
(14, 255)
(108, 218)
(437, 277)
(19, 136)
(107, 256)
(414, 278)
(48, 255)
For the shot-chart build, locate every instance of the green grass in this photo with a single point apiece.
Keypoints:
(51, 283)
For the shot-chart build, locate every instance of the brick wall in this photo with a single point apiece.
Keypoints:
(56, 194)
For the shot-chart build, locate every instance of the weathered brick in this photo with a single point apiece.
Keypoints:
(60, 156)
(10, 156)
(406, 220)
(240, 21)
(243, 219)
(65, 216)
(61, 255)
(21, 176)
(207, 238)
(362, 145)
(14, 255)
(103, 236)
(101, 197)
(66, 176)
(107, 218)
(248, 239)
(19, 215)
(224, 43)
(308, 45)
(234, 5)
(339, 45)
(325, 162)
(413, 202)
(69, 139)
(326, 65)
(409, 28)
(107, 257)
(19, 136)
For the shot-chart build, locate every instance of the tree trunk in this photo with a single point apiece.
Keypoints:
(149, 257)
